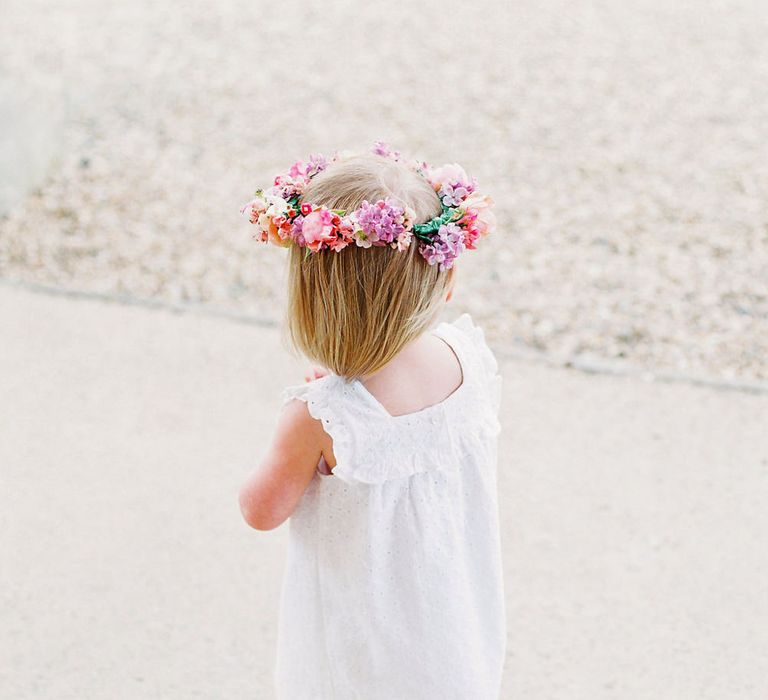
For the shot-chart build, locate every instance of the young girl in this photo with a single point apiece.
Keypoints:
(386, 462)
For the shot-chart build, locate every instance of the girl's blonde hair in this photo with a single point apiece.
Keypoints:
(352, 311)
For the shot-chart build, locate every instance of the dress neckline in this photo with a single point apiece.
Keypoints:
(458, 392)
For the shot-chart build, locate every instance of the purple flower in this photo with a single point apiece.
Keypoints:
(317, 163)
(381, 222)
(446, 245)
(452, 183)
(382, 149)
(454, 193)
(296, 234)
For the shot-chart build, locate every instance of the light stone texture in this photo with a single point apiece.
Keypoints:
(624, 144)
(633, 518)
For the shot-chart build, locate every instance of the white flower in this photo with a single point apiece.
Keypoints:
(361, 239)
(451, 173)
(277, 205)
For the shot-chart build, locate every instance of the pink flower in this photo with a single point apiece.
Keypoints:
(271, 232)
(345, 234)
(253, 209)
(403, 240)
(452, 172)
(255, 212)
(380, 148)
(287, 186)
(478, 207)
(302, 172)
(318, 228)
(452, 184)
(298, 170)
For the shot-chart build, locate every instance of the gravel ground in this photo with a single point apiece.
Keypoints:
(624, 144)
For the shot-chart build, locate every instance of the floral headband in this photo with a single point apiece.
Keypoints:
(282, 220)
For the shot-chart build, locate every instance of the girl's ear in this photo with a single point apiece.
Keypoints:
(451, 282)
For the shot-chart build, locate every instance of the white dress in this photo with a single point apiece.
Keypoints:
(393, 587)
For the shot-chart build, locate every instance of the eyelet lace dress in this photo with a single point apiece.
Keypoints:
(393, 586)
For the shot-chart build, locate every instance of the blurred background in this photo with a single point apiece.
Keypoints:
(623, 143)
(625, 147)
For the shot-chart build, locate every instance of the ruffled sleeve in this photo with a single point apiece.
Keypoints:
(483, 358)
(318, 395)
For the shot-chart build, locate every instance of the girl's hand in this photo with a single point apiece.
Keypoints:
(315, 373)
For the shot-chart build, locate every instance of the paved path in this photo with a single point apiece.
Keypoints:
(634, 518)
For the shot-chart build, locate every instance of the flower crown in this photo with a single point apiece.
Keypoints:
(281, 219)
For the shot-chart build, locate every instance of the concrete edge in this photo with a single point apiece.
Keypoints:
(518, 354)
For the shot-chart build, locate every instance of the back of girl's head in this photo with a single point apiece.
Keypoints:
(353, 310)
